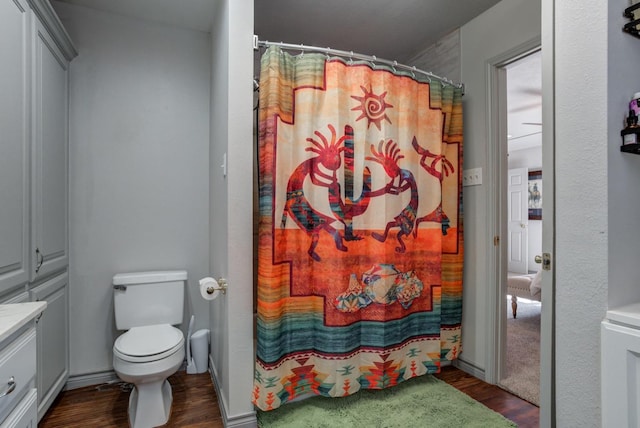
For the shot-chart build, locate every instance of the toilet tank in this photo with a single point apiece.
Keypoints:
(148, 298)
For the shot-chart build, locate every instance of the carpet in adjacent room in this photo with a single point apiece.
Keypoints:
(420, 402)
(523, 352)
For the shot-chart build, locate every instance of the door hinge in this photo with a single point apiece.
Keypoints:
(496, 241)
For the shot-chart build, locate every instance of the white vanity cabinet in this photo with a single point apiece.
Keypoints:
(15, 50)
(49, 177)
(36, 51)
(620, 368)
(53, 340)
(33, 145)
(18, 393)
(17, 375)
(25, 415)
(51, 53)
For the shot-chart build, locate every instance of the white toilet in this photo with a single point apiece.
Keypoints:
(148, 305)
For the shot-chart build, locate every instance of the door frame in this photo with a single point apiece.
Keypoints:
(497, 205)
(496, 223)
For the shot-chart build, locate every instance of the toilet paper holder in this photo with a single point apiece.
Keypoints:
(220, 284)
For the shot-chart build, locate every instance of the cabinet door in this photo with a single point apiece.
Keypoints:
(14, 142)
(52, 334)
(50, 158)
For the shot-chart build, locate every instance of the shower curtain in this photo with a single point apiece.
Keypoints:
(360, 235)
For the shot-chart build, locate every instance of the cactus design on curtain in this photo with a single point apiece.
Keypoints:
(360, 237)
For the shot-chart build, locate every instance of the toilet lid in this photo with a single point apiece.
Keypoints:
(149, 342)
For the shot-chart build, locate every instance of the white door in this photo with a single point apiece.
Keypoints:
(517, 209)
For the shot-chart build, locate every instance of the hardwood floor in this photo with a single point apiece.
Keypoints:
(523, 413)
(195, 404)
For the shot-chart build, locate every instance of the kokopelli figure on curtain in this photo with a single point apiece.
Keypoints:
(438, 214)
(405, 220)
(344, 210)
(298, 206)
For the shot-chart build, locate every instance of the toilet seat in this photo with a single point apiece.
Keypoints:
(148, 343)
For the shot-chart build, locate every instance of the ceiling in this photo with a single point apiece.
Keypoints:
(393, 30)
(524, 102)
(192, 14)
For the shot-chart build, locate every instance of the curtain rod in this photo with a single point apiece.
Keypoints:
(351, 55)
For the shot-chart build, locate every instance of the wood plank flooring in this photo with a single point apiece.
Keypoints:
(523, 413)
(195, 404)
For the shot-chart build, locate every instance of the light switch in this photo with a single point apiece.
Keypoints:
(472, 177)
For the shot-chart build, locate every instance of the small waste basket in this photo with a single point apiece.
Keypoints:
(200, 350)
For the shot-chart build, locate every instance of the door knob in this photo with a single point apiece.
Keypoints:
(522, 225)
(538, 259)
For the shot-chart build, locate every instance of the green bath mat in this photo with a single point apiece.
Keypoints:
(420, 402)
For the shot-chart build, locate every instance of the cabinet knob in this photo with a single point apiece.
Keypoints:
(11, 385)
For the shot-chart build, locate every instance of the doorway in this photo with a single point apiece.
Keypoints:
(520, 372)
(497, 165)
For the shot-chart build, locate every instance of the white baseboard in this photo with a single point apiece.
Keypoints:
(246, 420)
(89, 379)
(469, 368)
(98, 378)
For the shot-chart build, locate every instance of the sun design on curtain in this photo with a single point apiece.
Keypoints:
(373, 107)
(360, 237)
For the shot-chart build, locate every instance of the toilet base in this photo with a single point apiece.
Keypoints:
(150, 404)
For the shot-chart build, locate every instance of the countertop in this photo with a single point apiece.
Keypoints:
(15, 315)
(629, 315)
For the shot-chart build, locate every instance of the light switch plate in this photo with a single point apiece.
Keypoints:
(472, 177)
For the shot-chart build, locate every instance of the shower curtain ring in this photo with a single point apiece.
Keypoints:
(394, 66)
(351, 58)
(413, 72)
